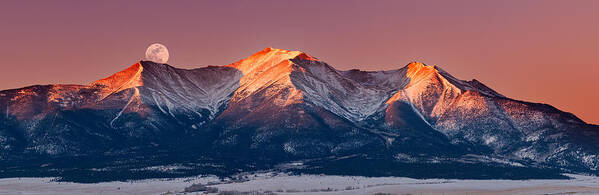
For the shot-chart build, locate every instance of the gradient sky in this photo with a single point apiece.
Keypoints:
(540, 51)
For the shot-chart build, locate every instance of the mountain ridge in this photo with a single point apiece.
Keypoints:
(278, 106)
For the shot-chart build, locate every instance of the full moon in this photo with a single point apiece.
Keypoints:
(157, 53)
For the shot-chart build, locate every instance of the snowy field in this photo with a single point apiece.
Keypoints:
(310, 184)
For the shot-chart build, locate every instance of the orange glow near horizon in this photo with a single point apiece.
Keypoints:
(538, 51)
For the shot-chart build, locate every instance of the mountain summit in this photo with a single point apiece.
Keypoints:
(279, 106)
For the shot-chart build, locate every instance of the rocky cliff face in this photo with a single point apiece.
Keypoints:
(279, 106)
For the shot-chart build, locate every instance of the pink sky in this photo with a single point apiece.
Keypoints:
(539, 51)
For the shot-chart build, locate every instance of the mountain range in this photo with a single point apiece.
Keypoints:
(286, 110)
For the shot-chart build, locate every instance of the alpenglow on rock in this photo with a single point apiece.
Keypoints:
(277, 109)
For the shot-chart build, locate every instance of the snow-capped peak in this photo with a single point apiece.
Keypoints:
(266, 59)
(128, 78)
(417, 72)
(415, 68)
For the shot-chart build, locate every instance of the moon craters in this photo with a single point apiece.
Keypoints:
(157, 53)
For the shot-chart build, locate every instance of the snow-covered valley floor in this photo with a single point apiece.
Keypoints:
(309, 184)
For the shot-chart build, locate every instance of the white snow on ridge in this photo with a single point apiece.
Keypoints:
(203, 88)
(325, 87)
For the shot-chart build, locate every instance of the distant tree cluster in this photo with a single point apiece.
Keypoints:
(200, 188)
(234, 192)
